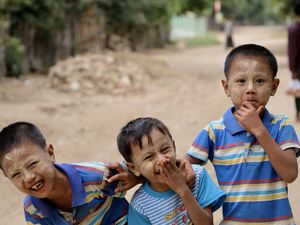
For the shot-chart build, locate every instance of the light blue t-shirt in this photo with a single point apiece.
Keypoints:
(166, 208)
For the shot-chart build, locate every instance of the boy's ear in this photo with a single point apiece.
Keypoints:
(276, 82)
(50, 151)
(131, 167)
(225, 87)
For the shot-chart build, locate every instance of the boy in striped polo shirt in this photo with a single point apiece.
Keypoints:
(164, 198)
(58, 194)
(253, 151)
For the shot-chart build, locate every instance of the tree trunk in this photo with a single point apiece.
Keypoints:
(3, 34)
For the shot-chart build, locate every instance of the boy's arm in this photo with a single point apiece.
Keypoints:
(283, 162)
(176, 181)
(193, 160)
(129, 179)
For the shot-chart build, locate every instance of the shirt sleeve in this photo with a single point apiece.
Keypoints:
(33, 219)
(287, 136)
(136, 218)
(209, 194)
(202, 147)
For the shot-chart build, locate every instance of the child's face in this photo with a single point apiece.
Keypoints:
(250, 79)
(146, 161)
(30, 169)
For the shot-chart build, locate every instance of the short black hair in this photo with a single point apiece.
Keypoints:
(133, 132)
(251, 50)
(16, 133)
(297, 8)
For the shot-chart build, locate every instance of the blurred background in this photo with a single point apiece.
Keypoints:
(29, 28)
(80, 69)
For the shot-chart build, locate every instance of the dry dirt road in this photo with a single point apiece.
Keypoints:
(83, 128)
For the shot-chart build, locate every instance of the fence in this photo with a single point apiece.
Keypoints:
(187, 26)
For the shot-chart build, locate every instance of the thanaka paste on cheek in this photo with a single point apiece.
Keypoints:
(146, 166)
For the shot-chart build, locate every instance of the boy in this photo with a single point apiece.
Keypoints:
(57, 194)
(164, 198)
(253, 151)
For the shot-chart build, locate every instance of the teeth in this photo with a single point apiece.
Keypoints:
(37, 186)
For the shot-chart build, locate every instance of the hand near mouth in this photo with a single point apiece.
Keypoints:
(253, 103)
(248, 115)
(173, 177)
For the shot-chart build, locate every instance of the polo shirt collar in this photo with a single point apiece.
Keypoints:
(232, 125)
(78, 193)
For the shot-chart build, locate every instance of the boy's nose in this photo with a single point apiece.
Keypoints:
(160, 157)
(250, 87)
(28, 178)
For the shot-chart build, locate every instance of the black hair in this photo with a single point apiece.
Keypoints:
(297, 8)
(16, 133)
(251, 50)
(133, 132)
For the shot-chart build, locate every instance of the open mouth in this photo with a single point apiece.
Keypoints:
(37, 186)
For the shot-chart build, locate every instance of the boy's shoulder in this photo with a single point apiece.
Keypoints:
(198, 169)
(30, 208)
(85, 169)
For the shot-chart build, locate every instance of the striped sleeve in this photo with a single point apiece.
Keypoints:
(200, 148)
(287, 137)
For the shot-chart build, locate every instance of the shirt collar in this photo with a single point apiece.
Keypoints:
(232, 125)
(78, 193)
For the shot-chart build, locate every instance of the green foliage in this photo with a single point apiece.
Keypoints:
(196, 6)
(250, 11)
(127, 14)
(208, 39)
(14, 56)
(283, 8)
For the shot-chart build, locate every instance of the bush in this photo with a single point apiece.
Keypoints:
(14, 57)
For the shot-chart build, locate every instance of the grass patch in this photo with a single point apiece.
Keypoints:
(208, 39)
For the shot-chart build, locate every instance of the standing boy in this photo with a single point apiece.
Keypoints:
(253, 151)
(58, 194)
(164, 198)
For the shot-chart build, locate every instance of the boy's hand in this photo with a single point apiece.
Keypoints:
(248, 115)
(173, 177)
(187, 171)
(129, 179)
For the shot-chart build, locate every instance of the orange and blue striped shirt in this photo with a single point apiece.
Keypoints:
(255, 192)
(93, 201)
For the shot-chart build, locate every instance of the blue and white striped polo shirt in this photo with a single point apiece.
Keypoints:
(255, 192)
(93, 202)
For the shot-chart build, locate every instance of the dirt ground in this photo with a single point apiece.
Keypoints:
(84, 128)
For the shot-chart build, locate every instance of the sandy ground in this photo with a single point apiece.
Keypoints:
(84, 128)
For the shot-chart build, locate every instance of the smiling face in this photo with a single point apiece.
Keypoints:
(146, 160)
(31, 169)
(250, 79)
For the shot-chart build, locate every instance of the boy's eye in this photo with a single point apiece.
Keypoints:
(241, 81)
(32, 164)
(166, 149)
(15, 175)
(148, 157)
(260, 81)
